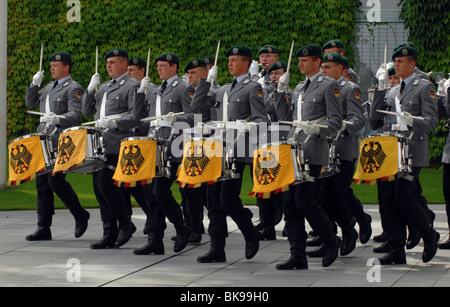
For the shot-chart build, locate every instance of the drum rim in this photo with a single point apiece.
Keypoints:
(27, 136)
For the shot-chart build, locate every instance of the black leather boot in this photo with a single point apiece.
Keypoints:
(42, 233)
(216, 253)
(81, 224)
(107, 241)
(298, 257)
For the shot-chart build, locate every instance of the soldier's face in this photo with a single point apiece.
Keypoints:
(59, 70)
(404, 67)
(116, 66)
(275, 75)
(334, 49)
(238, 65)
(135, 72)
(309, 66)
(267, 59)
(166, 71)
(332, 70)
(394, 80)
(195, 74)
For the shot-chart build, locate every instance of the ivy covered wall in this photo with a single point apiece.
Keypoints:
(189, 28)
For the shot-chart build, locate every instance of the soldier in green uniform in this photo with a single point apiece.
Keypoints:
(60, 97)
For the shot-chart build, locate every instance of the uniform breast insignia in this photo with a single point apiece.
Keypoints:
(372, 159)
(66, 148)
(21, 160)
(131, 160)
(195, 162)
(267, 168)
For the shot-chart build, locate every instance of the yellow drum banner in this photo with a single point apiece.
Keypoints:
(25, 160)
(273, 170)
(71, 150)
(137, 163)
(378, 159)
(202, 163)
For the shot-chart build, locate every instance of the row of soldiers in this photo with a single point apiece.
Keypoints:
(327, 103)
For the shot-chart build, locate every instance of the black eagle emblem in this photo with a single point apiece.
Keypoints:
(196, 161)
(267, 168)
(66, 148)
(132, 160)
(373, 158)
(20, 160)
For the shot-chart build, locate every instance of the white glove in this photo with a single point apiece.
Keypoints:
(441, 88)
(310, 129)
(254, 68)
(185, 78)
(37, 78)
(283, 82)
(344, 126)
(383, 78)
(405, 119)
(262, 81)
(50, 119)
(170, 117)
(95, 82)
(212, 74)
(240, 124)
(446, 85)
(145, 83)
(108, 123)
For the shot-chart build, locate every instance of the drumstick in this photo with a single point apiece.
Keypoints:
(42, 114)
(290, 57)
(395, 113)
(216, 59)
(147, 119)
(347, 122)
(98, 120)
(96, 59)
(42, 55)
(148, 62)
(301, 123)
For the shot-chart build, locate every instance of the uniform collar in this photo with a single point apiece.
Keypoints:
(409, 79)
(171, 80)
(314, 77)
(241, 78)
(61, 81)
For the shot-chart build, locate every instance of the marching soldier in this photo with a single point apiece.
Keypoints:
(414, 102)
(243, 99)
(112, 99)
(315, 100)
(337, 193)
(60, 97)
(173, 96)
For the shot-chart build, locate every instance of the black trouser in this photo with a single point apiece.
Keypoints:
(224, 199)
(138, 193)
(446, 189)
(46, 184)
(113, 207)
(163, 204)
(270, 210)
(300, 203)
(194, 201)
(402, 207)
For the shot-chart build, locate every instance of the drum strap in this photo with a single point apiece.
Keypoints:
(103, 107)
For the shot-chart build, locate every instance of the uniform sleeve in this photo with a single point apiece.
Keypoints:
(354, 111)
(32, 97)
(334, 110)
(283, 106)
(127, 122)
(257, 109)
(378, 103)
(428, 109)
(88, 103)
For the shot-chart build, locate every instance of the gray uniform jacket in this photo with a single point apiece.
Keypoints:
(445, 116)
(347, 145)
(204, 100)
(119, 101)
(64, 99)
(319, 101)
(245, 102)
(418, 99)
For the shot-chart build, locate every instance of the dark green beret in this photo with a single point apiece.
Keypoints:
(309, 50)
(345, 62)
(209, 60)
(239, 50)
(268, 49)
(404, 51)
(277, 65)
(409, 44)
(137, 61)
(168, 57)
(117, 52)
(334, 43)
(61, 57)
(332, 57)
(194, 64)
(391, 71)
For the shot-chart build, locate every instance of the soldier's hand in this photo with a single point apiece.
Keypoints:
(283, 82)
(50, 119)
(254, 68)
(310, 129)
(170, 117)
(212, 74)
(37, 78)
(145, 83)
(108, 123)
(95, 82)
(383, 78)
(405, 118)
